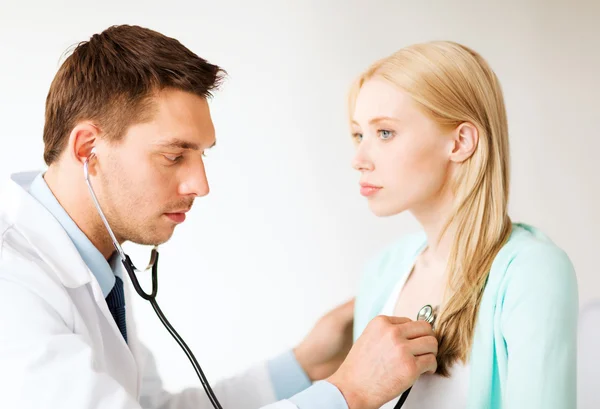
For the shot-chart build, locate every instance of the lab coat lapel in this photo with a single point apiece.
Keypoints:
(55, 248)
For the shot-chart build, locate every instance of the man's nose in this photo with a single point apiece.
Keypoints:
(195, 182)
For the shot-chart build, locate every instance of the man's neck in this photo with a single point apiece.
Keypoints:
(73, 195)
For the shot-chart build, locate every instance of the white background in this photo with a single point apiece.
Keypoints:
(284, 233)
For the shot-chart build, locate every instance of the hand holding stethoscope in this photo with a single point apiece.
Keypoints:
(428, 314)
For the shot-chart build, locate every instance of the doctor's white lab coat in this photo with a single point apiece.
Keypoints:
(59, 345)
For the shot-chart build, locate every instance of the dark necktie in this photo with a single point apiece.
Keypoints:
(116, 304)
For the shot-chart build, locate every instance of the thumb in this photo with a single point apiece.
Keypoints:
(398, 320)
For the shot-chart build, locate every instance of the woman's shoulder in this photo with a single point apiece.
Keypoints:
(529, 244)
(530, 258)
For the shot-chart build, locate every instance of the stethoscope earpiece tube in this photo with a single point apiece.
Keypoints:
(153, 264)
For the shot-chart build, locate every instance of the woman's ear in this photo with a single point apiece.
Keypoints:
(466, 139)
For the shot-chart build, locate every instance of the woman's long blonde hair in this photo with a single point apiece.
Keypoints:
(453, 84)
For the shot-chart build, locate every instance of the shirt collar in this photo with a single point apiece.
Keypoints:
(103, 270)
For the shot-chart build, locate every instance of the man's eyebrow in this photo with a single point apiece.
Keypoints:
(181, 144)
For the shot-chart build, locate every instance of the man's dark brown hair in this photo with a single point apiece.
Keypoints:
(111, 79)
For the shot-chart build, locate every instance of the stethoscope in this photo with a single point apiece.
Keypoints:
(428, 314)
(153, 264)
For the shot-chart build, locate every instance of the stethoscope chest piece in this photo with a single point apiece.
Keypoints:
(427, 313)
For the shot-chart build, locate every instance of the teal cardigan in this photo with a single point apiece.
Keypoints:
(524, 351)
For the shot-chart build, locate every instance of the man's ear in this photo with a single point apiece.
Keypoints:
(82, 140)
(466, 139)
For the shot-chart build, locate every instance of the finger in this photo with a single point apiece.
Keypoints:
(346, 309)
(398, 320)
(426, 363)
(416, 329)
(423, 346)
(350, 302)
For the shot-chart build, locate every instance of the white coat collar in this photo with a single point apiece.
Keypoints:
(42, 231)
(22, 213)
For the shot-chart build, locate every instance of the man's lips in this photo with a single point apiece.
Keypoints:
(177, 216)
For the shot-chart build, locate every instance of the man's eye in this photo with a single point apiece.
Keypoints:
(173, 158)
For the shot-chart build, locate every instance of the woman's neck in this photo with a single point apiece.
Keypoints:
(433, 217)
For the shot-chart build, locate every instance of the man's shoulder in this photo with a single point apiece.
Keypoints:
(21, 265)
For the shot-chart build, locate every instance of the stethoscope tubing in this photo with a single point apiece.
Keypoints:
(151, 297)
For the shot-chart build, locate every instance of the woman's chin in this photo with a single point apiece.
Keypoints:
(385, 209)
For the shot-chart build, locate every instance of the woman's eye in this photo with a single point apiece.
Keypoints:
(357, 137)
(385, 134)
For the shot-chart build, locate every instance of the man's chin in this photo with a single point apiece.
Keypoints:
(155, 240)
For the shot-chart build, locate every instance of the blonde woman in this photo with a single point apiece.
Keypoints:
(431, 136)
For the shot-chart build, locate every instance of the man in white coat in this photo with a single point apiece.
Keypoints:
(132, 104)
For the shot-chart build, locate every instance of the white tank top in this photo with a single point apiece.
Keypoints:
(432, 391)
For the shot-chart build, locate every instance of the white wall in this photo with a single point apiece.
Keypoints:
(283, 235)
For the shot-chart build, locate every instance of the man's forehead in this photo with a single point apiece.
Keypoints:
(182, 120)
